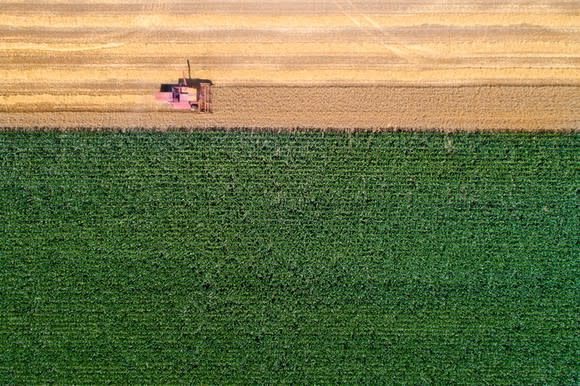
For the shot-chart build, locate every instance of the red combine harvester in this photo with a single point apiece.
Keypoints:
(187, 94)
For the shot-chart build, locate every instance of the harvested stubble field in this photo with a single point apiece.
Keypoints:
(335, 107)
(335, 64)
(226, 257)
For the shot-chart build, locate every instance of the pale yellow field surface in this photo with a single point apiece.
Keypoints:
(462, 64)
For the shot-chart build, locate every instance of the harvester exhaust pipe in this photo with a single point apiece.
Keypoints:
(188, 69)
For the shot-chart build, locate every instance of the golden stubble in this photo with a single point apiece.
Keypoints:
(272, 68)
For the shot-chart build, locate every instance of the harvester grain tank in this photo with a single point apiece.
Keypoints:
(187, 94)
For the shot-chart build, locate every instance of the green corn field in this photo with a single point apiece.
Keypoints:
(306, 257)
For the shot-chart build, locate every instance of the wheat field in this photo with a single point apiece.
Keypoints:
(367, 64)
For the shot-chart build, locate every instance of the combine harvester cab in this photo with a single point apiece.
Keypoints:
(187, 94)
